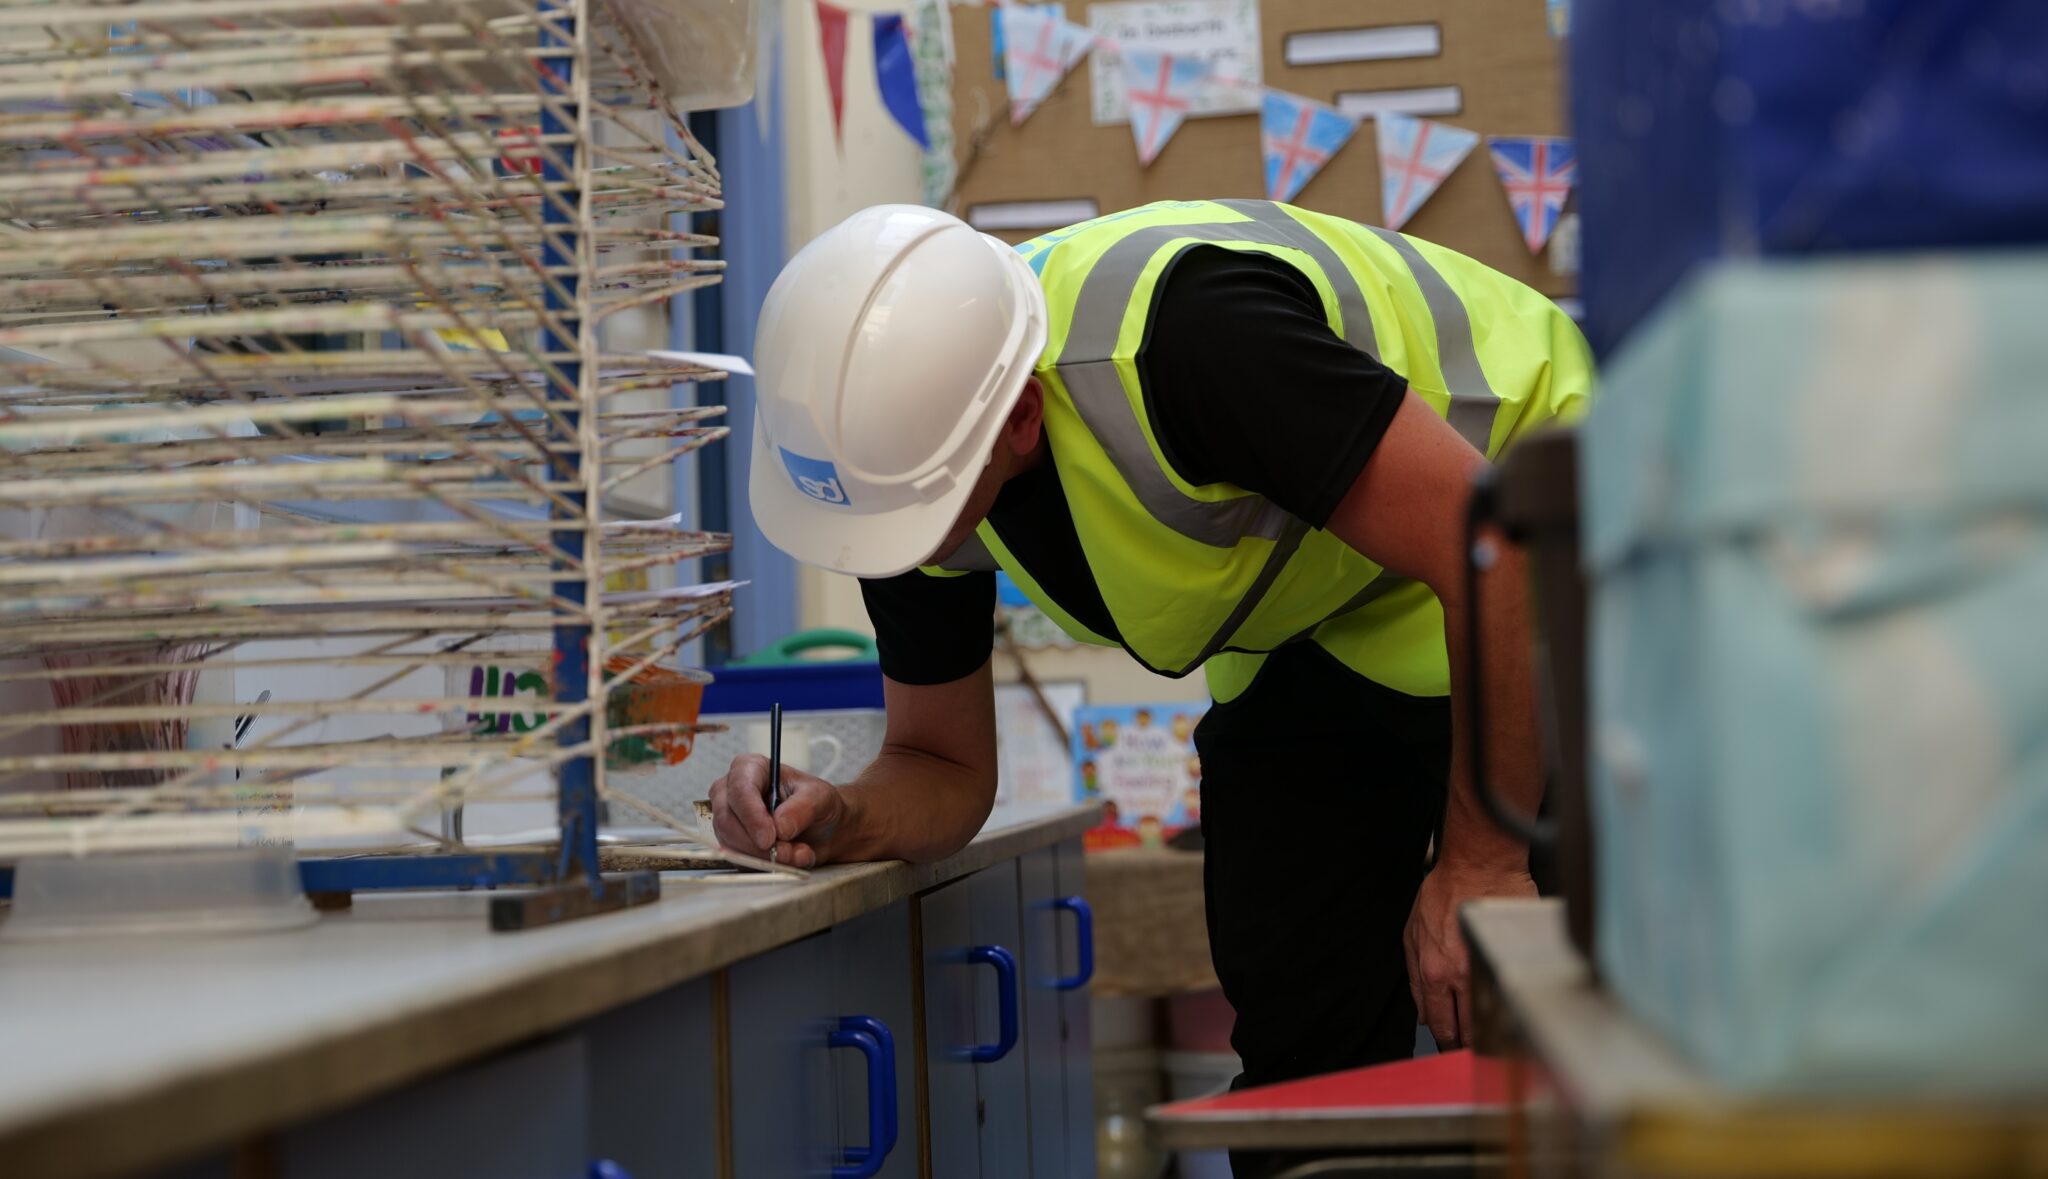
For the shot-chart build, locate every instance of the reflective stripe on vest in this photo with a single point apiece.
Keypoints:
(1087, 368)
(1091, 379)
(1162, 592)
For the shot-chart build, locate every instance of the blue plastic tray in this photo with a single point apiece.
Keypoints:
(811, 687)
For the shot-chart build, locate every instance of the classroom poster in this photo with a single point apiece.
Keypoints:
(1139, 761)
(1222, 34)
(1032, 762)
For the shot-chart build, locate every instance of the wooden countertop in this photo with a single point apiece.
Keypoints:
(118, 1053)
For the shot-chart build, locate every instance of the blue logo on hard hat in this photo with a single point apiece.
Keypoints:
(816, 478)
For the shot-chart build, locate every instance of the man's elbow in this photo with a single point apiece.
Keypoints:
(978, 803)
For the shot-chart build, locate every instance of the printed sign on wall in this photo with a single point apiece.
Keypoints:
(1139, 761)
(1032, 764)
(1222, 34)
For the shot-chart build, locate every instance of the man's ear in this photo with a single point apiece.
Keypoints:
(1027, 418)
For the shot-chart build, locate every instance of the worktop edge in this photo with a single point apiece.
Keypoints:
(155, 1121)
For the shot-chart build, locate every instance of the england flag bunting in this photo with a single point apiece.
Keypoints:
(1415, 156)
(1160, 87)
(1299, 135)
(1538, 171)
(1038, 50)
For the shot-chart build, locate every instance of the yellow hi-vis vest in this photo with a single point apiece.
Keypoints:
(1215, 576)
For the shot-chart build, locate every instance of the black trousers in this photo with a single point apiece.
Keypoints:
(1320, 793)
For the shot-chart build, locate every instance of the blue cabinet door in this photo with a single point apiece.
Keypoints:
(1077, 1042)
(953, 1099)
(1044, 1059)
(654, 1085)
(871, 976)
(784, 1108)
(521, 1115)
(1000, 1076)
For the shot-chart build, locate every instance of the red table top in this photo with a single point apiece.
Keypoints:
(1448, 1081)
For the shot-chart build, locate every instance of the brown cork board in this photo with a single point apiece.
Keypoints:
(1498, 51)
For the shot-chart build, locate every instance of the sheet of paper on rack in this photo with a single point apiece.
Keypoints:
(722, 361)
(681, 593)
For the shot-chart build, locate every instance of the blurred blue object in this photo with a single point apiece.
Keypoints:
(1008, 594)
(1816, 528)
(784, 672)
(1758, 127)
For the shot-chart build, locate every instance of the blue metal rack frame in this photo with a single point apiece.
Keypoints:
(539, 887)
(578, 885)
(568, 882)
(572, 870)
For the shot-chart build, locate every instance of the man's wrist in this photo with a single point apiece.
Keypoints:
(842, 831)
(1474, 857)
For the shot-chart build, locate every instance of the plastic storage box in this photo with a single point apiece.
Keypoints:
(230, 890)
(1761, 127)
(1816, 519)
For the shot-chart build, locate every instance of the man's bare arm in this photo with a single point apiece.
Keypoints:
(922, 799)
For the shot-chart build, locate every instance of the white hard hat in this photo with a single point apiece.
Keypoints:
(890, 351)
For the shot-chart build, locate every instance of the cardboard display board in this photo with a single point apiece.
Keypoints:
(1498, 54)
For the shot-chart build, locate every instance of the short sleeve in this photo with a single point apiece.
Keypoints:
(1246, 383)
(932, 630)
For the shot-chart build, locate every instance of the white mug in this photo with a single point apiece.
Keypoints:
(798, 746)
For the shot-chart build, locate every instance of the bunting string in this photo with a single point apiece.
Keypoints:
(1298, 135)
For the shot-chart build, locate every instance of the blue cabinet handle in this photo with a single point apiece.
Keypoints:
(887, 1043)
(1084, 941)
(864, 1162)
(1006, 1001)
(607, 1169)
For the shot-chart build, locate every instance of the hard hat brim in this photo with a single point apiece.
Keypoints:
(844, 539)
(841, 537)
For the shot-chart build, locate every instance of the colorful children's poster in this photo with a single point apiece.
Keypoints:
(1139, 761)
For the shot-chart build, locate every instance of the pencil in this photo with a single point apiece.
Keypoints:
(774, 757)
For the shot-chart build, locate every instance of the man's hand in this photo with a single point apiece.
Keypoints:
(1439, 971)
(798, 833)
(1407, 512)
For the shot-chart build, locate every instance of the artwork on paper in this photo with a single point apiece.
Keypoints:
(1139, 762)
(1221, 35)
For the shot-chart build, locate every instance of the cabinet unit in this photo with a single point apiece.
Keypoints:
(463, 1123)
(1059, 958)
(934, 1034)
(784, 1108)
(953, 1101)
(994, 969)
(821, 1035)
(654, 1072)
(871, 971)
(976, 1027)
(1076, 939)
(1038, 893)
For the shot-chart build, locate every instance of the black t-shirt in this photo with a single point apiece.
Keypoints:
(1245, 383)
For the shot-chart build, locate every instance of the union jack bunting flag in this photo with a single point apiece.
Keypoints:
(1415, 156)
(1038, 50)
(1538, 171)
(1299, 136)
(1160, 88)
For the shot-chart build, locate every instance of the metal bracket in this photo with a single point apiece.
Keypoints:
(530, 908)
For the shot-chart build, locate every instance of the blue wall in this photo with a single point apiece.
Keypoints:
(753, 228)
